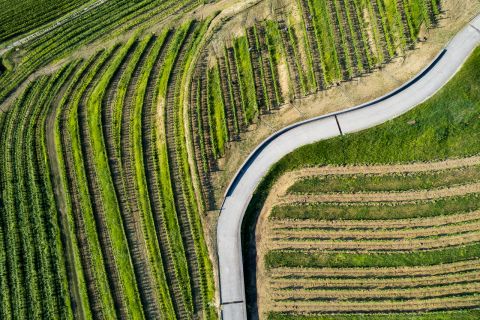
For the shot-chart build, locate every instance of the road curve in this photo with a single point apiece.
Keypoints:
(271, 150)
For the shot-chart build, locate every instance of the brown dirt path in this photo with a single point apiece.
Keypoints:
(379, 234)
(418, 305)
(386, 169)
(309, 283)
(374, 224)
(416, 271)
(60, 198)
(383, 196)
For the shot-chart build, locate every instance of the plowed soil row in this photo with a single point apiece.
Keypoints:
(332, 290)
(419, 271)
(315, 234)
(383, 196)
(376, 294)
(418, 305)
(375, 224)
(366, 283)
(384, 245)
(388, 169)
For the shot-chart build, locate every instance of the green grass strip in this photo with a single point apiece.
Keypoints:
(148, 224)
(69, 226)
(377, 211)
(170, 212)
(247, 83)
(72, 129)
(205, 266)
(326, 39)
(445, 315)
(293, 39)
(343, 38)
(228, 95)
(217, 111)
(103, 175)
(310, 259)
(308, 62)
(54, 232)
(387, 182)
(272, 40)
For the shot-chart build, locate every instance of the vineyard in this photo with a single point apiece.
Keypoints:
(17, 18)
(136, 247)
(115, 117)
(107, 21)
(330, 42)
(395, 238)
(371, 228)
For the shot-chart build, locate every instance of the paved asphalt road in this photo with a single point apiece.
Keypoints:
(239, 193)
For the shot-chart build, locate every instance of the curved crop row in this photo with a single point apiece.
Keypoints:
(80, 214)
(39, 245)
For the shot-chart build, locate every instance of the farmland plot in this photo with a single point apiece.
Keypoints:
(370, 241)
(379, 237)
(335, 40)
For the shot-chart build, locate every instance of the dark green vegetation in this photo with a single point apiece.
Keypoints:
(110, 19)
(33, 279)
(381, 240)
(276, 259)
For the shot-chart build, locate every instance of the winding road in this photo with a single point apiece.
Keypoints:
(272, 149)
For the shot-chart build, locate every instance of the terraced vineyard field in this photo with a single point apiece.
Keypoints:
(115, 115)
(135, 243)
(107, 21)
(374, 229)
(369, 235)
(23, 17)
(333, 41)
